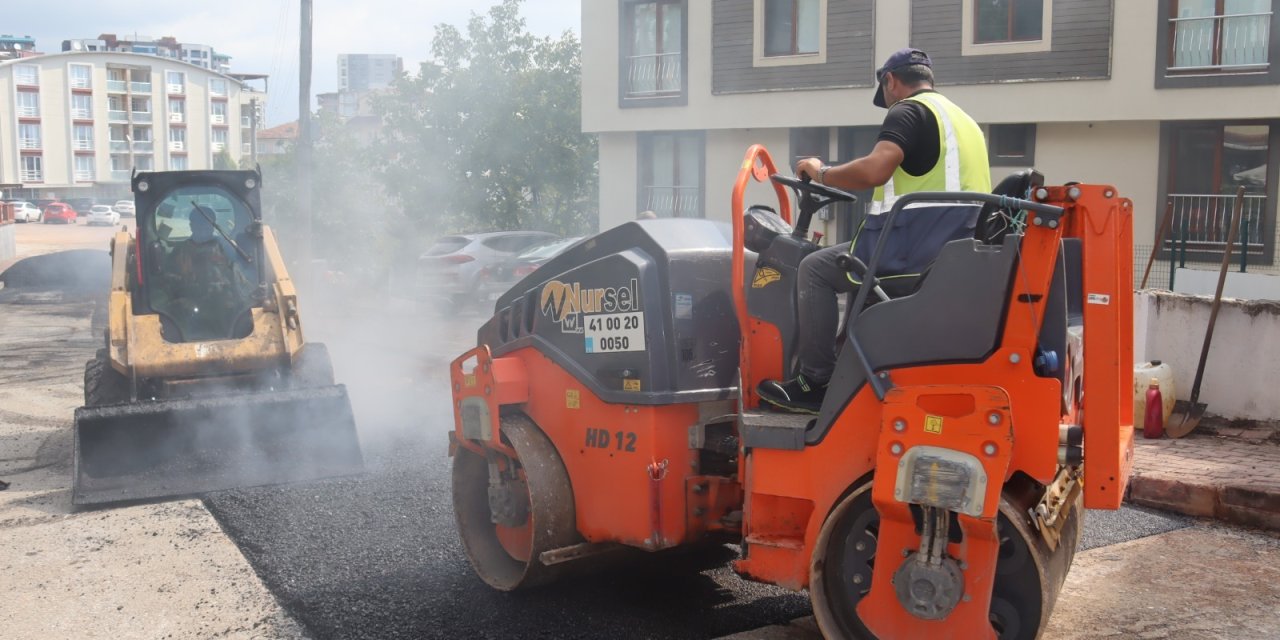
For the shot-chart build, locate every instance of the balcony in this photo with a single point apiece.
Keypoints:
(81, 83)
(140, 87)
(27, 175)
(82, 114)
(84, 176)
(177, 145)
(143, 146)
(1204, 221)
(218, 147)
(654, 75)
(119, 175)
(82, 145)
(1235, 42)
(673, 202)
(117, 86)
(117, 116)
(217, 118)
(28, 112)
(177, 117)
(140, 117)
(29, 143)
(119, 146)
(174, 89)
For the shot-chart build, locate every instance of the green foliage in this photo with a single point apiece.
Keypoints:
(222, 161)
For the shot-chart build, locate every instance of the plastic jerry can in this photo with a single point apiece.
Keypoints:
(1143, 373)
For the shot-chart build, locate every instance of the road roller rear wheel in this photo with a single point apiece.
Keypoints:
(507, 523)
(1028, 575)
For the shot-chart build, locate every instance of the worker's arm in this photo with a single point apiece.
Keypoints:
(869, 171)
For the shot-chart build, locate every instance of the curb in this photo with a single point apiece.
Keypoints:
(1242, 505)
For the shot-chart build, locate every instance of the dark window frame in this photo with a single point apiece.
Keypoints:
(626, 26)
(1166, 78)
(1013, 6)
(998, 132)
(795, 32)
(644, 154)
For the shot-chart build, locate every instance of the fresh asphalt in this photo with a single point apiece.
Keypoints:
(377, 556)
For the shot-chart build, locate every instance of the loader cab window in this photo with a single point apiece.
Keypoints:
(201, 266)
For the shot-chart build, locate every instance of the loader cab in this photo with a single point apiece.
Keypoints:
(198, 266)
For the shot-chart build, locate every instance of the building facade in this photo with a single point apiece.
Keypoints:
(358, 72)
(1175, 102)
(200, 55)
(77, 123)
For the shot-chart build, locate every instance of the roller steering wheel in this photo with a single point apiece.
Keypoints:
(811, 197)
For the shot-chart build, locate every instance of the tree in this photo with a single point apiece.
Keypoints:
(222, 160)
(488, 136)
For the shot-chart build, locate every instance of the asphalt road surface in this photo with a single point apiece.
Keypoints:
(377, 556)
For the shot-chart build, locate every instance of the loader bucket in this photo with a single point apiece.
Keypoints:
(193, 446)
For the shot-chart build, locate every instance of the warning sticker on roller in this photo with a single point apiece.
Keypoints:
(613, 332)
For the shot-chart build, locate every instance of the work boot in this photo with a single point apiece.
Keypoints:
(797, 395)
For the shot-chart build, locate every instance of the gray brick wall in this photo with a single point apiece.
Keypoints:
(850, 50)
(1081, 45)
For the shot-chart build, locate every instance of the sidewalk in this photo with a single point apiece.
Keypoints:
(1232, 474)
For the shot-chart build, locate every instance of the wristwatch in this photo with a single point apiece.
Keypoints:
(822, 174)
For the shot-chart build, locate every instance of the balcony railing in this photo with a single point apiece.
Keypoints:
(117, 116)
(217, 118)
(246, 148)
(141, 117)
(674, 202)
(29, 143)
(82, 145)
(218, 146)
(27, 175)
(1205, 220)
(117, 86)
(28, 112)
(654, 74)
(143, 146)
(84, 176)
(119, 175)
(81, 83)
(140, 87)
(1232, 42)
(82, 114)
(177, 116)
(177, 145)
(174, 89)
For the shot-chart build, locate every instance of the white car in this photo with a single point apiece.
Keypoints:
(103, 214)
(124, 208)
(25, 212)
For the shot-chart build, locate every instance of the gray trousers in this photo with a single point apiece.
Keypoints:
(820, 281)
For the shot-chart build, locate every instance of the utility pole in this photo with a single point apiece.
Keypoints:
(253, 131)
(304, 135)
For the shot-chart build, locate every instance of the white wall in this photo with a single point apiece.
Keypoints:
(1241, 375)
(617, 178)
(1125, 155)
(1246, 286)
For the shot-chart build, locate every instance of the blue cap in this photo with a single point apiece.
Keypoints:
(900, 58)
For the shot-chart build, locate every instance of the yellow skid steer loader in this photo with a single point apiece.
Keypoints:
(205, 381)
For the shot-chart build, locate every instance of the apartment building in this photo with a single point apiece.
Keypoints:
(200, 55)
(359, 72)
(77, 123)
(1171, 101)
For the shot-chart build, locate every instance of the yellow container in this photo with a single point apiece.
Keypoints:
(1143, 372)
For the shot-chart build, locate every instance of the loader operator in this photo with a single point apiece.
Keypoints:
(208, 291)
(926, 143)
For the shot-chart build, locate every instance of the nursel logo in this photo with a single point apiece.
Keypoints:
(566, 302)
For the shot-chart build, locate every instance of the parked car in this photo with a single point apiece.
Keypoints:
(24, 211)
(496, 279)
(125, 208)
(59, 212)
(103, 214)
(82, 206)
(451, 267)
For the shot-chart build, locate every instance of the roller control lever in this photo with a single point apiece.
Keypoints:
(851, 264)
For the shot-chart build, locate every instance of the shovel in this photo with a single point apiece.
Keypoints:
(1187, 413)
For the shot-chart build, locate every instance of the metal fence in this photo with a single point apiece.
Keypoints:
(654, 74)
(1197, 237)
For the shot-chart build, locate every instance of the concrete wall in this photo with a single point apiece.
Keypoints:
(1246, 286)
(1241, 375)
(8, 243)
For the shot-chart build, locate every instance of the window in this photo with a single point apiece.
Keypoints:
(670, 167)
(177, 139)
(178, 163)
(82, 137)
(1008, 20)
(143, 163)
(140, 105)
(28, 136)
(217, 87)
(791, 27)
(81, 106)
(219, 140)
(1208, 162)
(32, 169)
(174, 81)
(28, 104)
(84, 169)
(177, 110)
(81, 76)
(218, 112)
(27, 74)
(1216, 35)
(1011, 145)
(142, 134)
(654, 46)
(810, 142)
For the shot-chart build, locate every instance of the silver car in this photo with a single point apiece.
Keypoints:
(451, 268)
(124, 208)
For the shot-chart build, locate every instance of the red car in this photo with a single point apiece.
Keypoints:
(59, 212)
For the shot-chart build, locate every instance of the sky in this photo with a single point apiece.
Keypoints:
(262, 35)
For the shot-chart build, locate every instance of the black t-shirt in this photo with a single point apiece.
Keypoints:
(913, 127)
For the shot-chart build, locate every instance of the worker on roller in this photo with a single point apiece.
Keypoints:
(926, 143)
